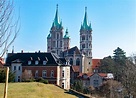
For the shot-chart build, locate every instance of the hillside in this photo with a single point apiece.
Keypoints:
(34, 90)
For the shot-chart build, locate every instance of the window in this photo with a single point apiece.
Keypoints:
(63, 73)
(36, 62)
(44, 73)
(57, 36)
(86, 37)
(44, 62)
(77, 61)
(52, 73)
(83, 37)
(89, 63)
(19, 68)
(61, 44)
(18, 78)
(36, 73)
(83, 46)
(29, 62)
(71, 61)
(62, 85)
(14, 67)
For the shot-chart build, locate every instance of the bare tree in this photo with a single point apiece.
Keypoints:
(27, 75)
(132, 58)
(129, 79)
(9, 27)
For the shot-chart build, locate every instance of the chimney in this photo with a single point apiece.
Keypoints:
(22, 51)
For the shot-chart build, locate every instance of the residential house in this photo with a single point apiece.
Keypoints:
(46, 65)
(94, 79)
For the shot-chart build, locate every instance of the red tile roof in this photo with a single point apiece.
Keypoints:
(90, 74)
(95, 63)
(102, 74)
(75, 68)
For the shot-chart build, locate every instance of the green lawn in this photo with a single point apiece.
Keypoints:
(34, 90)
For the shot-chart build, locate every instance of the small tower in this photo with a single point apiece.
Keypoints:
(66, 40)
(86, 43)
(55, 38)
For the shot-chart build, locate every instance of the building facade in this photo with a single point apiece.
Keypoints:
(46, 65)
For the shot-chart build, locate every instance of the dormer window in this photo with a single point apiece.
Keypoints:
(29, 62)
(44, 62)
(36, 62)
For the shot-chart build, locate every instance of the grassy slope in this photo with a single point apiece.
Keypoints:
(34, 90)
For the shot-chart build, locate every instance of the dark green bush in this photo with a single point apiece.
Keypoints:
(42, 80)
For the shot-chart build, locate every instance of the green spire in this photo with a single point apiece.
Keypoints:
(85, 24)
(66, 34)
(56, 22)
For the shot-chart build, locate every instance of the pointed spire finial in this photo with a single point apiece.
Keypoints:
(57, 6)
(85, 9)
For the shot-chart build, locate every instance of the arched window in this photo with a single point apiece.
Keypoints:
(71, 61)
(83, 37)
(77, 61)
(57, 36)
(83, 46)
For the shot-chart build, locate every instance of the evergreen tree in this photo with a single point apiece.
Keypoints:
(3, 76)
(119, 56)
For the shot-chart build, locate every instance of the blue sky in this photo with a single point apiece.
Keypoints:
(113, 23)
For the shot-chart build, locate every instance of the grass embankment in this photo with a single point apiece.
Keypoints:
(34, 90)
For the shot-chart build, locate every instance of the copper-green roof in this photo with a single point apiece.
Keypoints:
(57, 23)
(66, 34)
(49, 36)
(85, 24)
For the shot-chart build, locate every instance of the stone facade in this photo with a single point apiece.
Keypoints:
(59, 44)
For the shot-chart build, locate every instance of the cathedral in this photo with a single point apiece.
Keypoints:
(58, 41)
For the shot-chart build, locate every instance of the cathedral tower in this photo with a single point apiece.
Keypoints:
(55, 38)
(86, 43)
(86, 37)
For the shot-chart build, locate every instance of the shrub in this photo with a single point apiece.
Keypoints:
(42, 80)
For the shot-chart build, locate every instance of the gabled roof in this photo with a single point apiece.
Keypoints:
(72, 51)
(75, 68)
(91, 74)
(95, 63)
(51, 58)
